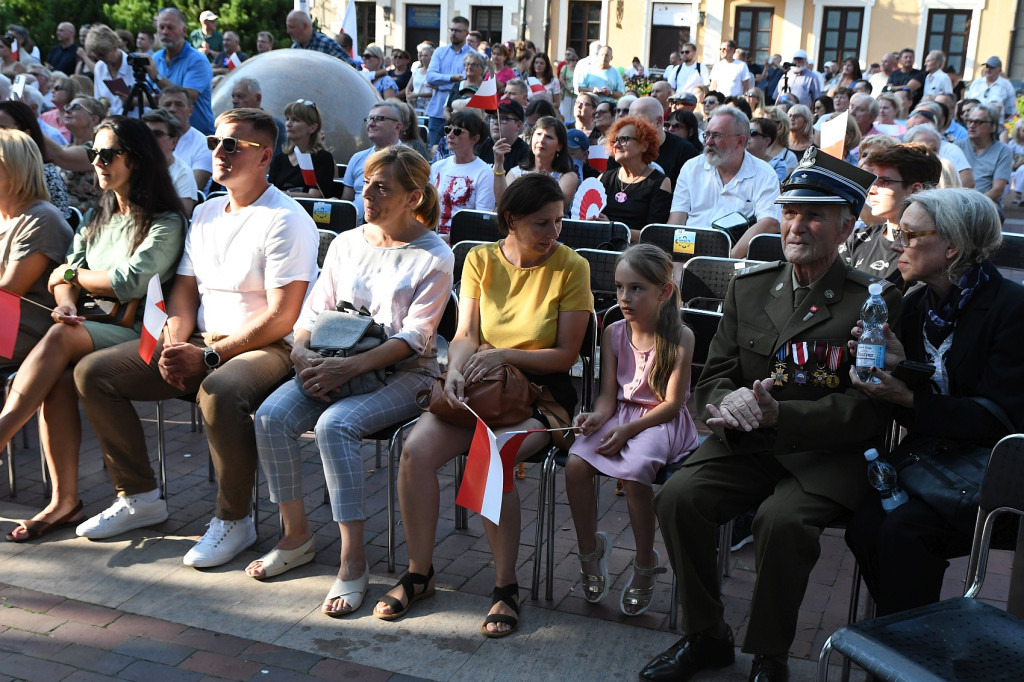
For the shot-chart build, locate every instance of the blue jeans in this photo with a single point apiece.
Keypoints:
(434, 129)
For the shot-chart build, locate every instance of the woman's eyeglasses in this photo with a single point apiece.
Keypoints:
(623, 140)
(904, 237)
(453, 130)
(106, 155)
(229, 144)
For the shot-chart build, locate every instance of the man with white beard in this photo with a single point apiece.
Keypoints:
(727, 179)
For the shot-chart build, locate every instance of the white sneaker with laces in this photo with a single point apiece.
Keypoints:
(127, 513)
(223, 541)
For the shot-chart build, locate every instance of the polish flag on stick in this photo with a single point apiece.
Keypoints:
(233, 61)
(598, 157)
(10, 318)
(486, 97)
(536, 86)
(306, 166)
(489, 468)
(153, 319)
(14, 50)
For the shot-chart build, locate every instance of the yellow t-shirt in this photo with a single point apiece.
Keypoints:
(519, 307)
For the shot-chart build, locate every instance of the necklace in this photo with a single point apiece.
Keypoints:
(622, 194)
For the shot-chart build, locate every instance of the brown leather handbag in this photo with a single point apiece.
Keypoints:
(503, 397)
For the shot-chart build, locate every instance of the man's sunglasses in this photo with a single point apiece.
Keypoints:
(106, 155)
(230, 144)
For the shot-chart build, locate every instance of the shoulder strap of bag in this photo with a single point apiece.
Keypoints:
(997, 412)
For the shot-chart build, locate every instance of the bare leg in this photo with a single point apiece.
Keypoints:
(579, 486)
(640, 502)
(353, 560)
(61, 346)
(296, 532)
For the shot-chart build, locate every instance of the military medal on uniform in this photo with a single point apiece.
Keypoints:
(835, 354)
(800, 359)
(820, 374)
(779, 376)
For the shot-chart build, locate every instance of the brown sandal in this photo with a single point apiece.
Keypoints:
(36, 529)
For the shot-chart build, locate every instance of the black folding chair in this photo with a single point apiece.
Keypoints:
(765, 247)
(461, 250)
(684, 242)
(602, 277)
(1010, 257)
(477, 226)
(335, 215)
(705, 281)
(326, 237)
(594, 234)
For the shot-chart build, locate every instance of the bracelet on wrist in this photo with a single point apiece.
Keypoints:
(497, 173)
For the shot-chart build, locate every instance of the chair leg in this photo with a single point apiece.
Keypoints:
(378, 455)
(256, 503)
(45, 472)
(724, 549)
(674, 604)
(394, 456)
(11, 478)
(822, 675)
(538, 538)
(550, 587)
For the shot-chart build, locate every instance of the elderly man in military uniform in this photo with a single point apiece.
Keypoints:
(788, 429)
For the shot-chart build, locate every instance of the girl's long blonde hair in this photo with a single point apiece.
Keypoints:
(654, 265)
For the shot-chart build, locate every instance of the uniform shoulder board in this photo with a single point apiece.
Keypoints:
(760, 267)
(865, 279)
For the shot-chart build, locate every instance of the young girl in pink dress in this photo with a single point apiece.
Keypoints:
(639, 423)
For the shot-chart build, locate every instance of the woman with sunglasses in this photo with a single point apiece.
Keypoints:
(966, 321)
(373, 61)
(684, 124)
(400, 71)
(638, 194)
(303, 126)
(81, 117)
(18, 116)
(548, 155)
(64, 90)
(462, 179)
(755, 98)
(539, 328)
(137, 231)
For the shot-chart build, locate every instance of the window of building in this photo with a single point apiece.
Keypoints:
(753, 32)
(366, 23)
(584, 25)
(841, 33)
(487, 20)
(948, 30)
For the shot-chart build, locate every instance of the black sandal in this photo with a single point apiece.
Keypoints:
(509, 595)
(409, 582)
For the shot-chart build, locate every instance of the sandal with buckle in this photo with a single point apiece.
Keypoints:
(508, 595)
(595, 587)
(640, 596)
(409, 582)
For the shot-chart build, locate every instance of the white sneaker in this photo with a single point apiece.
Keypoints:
(127, 513)
(223, 541)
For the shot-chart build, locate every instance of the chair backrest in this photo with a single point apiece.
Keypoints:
(326, 237)
(593, 234)
(75, 219)
(1010, 256)
(765, 247)
(1002, 491)
(704, 325)
(331, 214)
(477, 226)
(200, 196)
(588, 354)
(684, 242)
(602, 276)
(342, 167)
(461, 250)
(706, 280)
(217, 193)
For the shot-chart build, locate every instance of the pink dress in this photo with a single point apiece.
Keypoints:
(650, 450)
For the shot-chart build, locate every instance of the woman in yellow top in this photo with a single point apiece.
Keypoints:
(525, 301)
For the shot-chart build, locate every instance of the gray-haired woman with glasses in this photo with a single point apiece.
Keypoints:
(303, 126)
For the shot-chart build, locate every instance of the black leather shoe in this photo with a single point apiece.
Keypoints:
(687, 656)
(768, 670)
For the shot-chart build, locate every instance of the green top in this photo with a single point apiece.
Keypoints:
(130, 272)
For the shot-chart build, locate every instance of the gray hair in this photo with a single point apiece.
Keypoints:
(625, 102)
(251, 84)
(803, 110)
(967, 220)
(873, 105)
(480, 60)
(740, 122)
(993, 115)
(174, 11)
(926, 129)
(33, 98)
(395, 109)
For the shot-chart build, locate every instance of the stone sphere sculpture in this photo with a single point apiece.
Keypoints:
(341, 94)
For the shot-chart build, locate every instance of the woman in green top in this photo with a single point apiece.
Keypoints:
(137, 231)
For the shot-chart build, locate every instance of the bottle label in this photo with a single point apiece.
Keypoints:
(871, 355)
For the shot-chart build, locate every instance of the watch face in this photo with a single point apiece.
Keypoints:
(69, 275)
(211, 357)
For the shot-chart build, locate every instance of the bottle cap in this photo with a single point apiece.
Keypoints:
(875, 289)
(871, 454)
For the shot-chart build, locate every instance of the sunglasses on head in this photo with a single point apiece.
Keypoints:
(229, 144)
(306, 102)
(106, 155)
(453, 130)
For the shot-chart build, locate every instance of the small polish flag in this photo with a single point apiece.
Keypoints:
(536, 86)
(10, 319)
(306, 166)
(598, 157)
(153, 319)
(14, 49)
(486, 97)
(489, 470)
(233, 61)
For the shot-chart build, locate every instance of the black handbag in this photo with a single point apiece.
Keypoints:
(946, 474)
(343, 333)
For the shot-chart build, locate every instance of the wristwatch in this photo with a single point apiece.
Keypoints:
(71, 276)
(211, 358)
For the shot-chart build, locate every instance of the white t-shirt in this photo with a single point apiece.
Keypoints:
(689, 77)
(194, 153)
(701, 195)
(462, 185)
(184, 180)
(729, 77)
(100, 89)
(237, 256)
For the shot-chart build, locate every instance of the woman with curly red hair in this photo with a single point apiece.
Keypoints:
(638, 193)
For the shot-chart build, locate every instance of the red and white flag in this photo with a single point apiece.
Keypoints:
(489, 470)
(233, 61)
(598, 157)
(348, 26)
(153, 319)
(14, 49)
(306, 166)
(486, 97)
(536, 87)
(10, 319)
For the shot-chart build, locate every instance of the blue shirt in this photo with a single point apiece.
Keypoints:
(446, 62)
(191, 69)
(604, 78)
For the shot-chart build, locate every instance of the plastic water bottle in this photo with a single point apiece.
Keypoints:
(871, 346)
(882, 477)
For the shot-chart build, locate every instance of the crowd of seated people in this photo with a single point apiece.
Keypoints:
(244, 293)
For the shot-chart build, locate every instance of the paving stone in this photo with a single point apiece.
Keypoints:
(154, 650)
(89, 635)
(227, 667)
(280, 657)
(147, 671)
(24, 667)
(95, 660)
(217, 642)
(84, 613)
(144, 626)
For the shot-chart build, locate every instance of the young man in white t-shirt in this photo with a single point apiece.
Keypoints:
(249, 262)
(730, 76)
